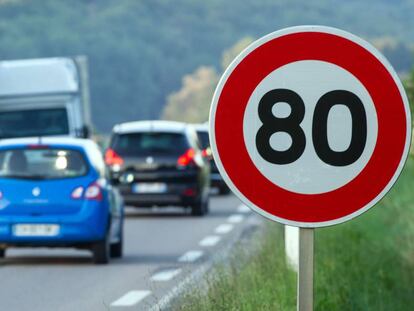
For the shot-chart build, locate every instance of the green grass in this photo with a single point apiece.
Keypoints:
(365, 264)
(368, 263)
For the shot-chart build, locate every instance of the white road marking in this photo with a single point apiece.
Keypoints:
(243, 209)
(131, 298)
(210, 240)
(224, 228)
(190, 256)
(166, 275)
(236, 218)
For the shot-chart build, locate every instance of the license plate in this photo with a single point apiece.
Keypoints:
(149, 188)
(33, 230)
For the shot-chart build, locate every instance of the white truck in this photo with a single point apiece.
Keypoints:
(44, 97)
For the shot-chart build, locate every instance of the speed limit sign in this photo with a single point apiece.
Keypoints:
(310, 126)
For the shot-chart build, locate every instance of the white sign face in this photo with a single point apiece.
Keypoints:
(311, 80)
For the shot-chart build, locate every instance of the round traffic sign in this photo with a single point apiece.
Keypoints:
(310, 126)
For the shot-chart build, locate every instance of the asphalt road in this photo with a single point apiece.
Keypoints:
(163, 249)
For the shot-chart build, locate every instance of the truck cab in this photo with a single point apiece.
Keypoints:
(44, 97)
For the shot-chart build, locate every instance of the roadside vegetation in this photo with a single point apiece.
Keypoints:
(365, 264)
(191, 103)
(258, 281)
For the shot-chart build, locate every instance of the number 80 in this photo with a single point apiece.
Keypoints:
(291, 126)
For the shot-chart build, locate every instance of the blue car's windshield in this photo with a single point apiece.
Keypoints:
(43, 163)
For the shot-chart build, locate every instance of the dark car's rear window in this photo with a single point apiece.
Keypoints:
(150, 143)
(42, 163)
(204, 139)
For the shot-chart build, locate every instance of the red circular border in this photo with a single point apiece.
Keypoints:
(310, 208)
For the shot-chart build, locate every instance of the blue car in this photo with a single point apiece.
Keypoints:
(54, 193)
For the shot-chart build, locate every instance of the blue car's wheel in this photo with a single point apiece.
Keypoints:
(117, 248)
(100, 251)
(2, 252)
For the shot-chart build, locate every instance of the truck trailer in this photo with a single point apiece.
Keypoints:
(44, 97)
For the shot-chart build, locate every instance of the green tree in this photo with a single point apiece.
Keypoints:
(409, 89)
(230, 54)
(191, 103)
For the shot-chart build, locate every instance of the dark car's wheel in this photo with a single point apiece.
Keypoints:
(200, 208)
(101, 250)
(197, 209)
(117, 248)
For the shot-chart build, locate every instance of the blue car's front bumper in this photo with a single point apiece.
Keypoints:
(87, 225)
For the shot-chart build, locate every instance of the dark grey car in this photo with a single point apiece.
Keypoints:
(159, 163)
(216, 179)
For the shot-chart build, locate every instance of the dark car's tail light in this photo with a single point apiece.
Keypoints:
(190, 192)
(187, 158)
(93, 192)
(112, 158)
(206, 153)
(77, 193)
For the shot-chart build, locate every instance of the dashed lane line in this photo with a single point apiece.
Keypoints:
(131, 298)
(243, 209)
(166, 275)
(224, 228)
(236, 218)
(190, 256)
(210, 240)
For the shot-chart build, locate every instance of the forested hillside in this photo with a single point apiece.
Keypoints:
(140, 50)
